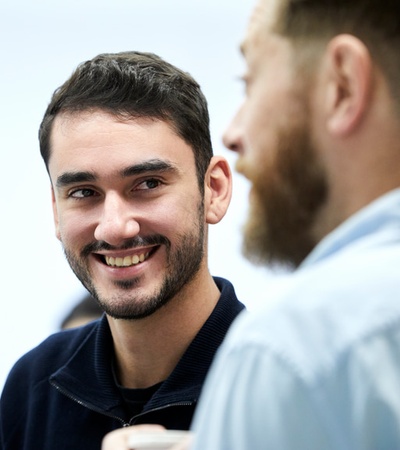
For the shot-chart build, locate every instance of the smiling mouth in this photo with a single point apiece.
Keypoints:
(126, 261)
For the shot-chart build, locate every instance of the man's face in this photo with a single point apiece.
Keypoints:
(272, 136)
(127, 209)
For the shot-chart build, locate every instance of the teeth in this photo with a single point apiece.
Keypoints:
(119, 262)
(126, 261)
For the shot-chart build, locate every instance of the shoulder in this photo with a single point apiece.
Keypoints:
(315, 315)
(228, 300)
(319, 353)
(55, 351)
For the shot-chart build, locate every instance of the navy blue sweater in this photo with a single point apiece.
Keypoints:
(62, 394)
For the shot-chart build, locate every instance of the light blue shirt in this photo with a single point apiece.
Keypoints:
(319, 366)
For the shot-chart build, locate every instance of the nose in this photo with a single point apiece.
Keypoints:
(233, 136)
(117, 222)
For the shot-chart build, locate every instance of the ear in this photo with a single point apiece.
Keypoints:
(55, 214)
(218, 189)
(349, 83)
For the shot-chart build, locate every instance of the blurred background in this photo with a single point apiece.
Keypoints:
(41, 43)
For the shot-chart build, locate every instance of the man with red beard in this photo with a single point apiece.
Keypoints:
(134, 185)
(318, 136)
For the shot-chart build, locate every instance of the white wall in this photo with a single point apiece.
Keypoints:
(41, 43)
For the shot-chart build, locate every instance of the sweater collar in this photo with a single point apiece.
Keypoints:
(87, 377)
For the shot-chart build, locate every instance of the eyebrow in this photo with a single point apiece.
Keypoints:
(153, 165)
(68, 178)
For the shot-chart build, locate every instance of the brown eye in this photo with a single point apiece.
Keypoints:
(151, 183)
(82, 193)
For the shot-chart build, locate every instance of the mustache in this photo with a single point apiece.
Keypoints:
(132, 243)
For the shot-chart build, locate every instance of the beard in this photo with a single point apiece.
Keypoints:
(183, 263)
(286, 197)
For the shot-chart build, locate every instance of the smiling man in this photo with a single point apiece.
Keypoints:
(134, 186)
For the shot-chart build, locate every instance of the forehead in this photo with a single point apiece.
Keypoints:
(83, 125)
(99, 141)
(262, 21)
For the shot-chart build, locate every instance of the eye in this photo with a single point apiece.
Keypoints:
(245, 82)
(151, 183)
(82, 193)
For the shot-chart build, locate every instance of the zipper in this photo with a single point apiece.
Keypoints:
(88, 405)
(112, 416)
(187, 403)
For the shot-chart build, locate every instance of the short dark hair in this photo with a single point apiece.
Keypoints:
(133, 85)
(375, 22)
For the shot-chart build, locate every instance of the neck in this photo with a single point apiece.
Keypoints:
(147, 350)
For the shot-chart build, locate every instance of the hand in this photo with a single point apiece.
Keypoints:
(118, 439)
(186, 444)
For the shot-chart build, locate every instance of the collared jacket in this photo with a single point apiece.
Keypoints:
(62, 394)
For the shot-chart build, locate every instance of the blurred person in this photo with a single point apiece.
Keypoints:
(85, 311)
(318, 136)
(134, 185)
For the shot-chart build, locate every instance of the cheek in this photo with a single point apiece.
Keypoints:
(258, 124)
(262, 147)
(75, 230)
(179, 215)
(267, 115)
